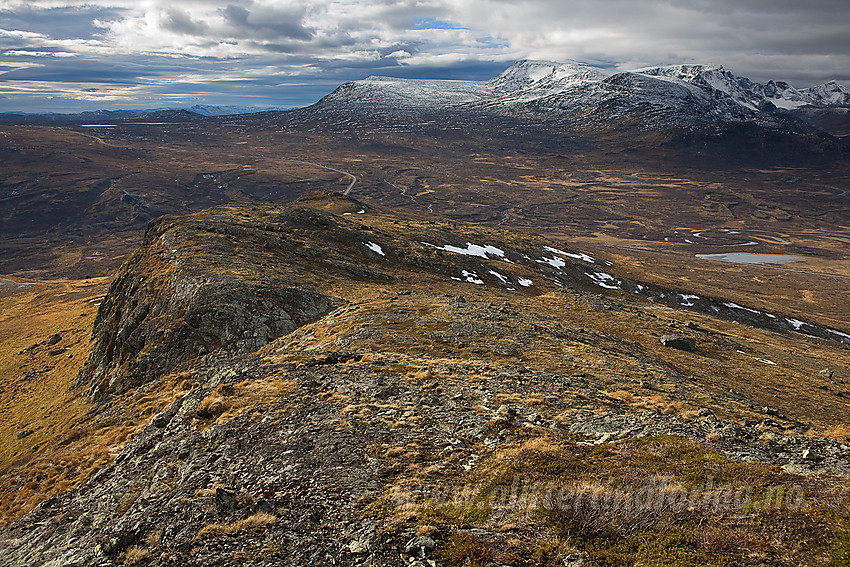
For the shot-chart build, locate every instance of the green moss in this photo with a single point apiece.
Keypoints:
(840, 555)
(465, 549)
(456, 515)
(382, 508)
(694, 463)
(400, 369)
(676, 546)
(550, 552)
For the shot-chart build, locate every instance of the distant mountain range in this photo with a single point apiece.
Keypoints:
(180, 114)
(674, 95)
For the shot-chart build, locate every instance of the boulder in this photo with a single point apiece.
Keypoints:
(680, 342)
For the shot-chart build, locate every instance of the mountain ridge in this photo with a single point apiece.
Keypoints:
(680, 94)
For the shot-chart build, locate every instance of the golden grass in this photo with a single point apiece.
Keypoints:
(35, 388)
(136, 554)
(839, 432)
(258, 521)
(68, 444)
(228, 401)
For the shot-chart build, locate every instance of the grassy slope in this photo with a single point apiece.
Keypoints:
(69, 441)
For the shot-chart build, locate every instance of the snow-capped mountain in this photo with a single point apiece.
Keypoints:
(407, 93)
(659, 96)
(215, 110)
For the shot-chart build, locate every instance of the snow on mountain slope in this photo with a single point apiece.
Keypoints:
(215, 110)
(529, 74)
(711, 81)
(407, 93)
(828, 94)
(751, 94)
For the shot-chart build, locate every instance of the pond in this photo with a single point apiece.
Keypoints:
(745, 258)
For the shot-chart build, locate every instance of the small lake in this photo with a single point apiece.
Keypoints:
(745, 258)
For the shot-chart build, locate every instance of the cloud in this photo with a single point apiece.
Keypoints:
(30, 53)
(181, 22)
(266, 22)
(323, 42)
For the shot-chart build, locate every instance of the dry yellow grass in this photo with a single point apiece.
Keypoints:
(228, 401)
(258, 521)
(35, 388)
(136, 554)
(67, 444)
(839, 432)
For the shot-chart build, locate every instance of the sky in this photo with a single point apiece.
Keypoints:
(63, 56)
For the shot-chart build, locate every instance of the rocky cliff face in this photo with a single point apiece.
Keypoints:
(338, 386)
(188, 292)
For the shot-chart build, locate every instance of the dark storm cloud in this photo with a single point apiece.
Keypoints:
(267, 23)
(78, 71)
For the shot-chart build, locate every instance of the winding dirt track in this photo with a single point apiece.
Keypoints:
(350, 175)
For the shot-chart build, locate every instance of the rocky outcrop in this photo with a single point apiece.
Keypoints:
(175, 300)
(232, 279)
(763, 441)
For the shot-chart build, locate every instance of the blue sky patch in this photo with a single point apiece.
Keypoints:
(435, 24)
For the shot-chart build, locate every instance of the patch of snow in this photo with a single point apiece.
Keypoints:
(838, 334)
(686, 299)
(470, 277)
(764, 361)
(524, 282)
(375, 248)
(731, 305)
(577, 256)
(786, 104)
(471, 250)
(604, 280)
(361, 211)
(796, 323)
(554, 262)
(502, 278)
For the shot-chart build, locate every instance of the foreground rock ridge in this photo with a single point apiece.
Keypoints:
(337, 385)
